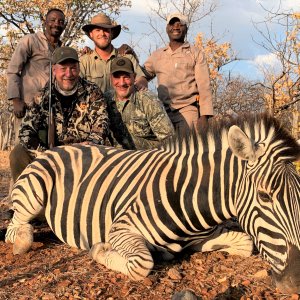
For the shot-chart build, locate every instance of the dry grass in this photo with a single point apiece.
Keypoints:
(4, 178)
(4, 161)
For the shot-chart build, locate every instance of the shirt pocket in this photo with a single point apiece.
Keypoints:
(182, 69)
(95, 75)
(40, 53)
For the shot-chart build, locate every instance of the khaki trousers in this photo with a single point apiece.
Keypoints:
(184, 118)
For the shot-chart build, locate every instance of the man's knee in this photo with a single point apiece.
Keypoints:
(19, 158)
(18, 153)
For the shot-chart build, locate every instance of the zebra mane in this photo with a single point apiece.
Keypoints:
(215, 133)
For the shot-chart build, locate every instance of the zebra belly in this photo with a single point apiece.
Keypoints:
(75, 224)
(81, 240)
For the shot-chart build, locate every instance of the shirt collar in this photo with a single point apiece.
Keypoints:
(184, 45)
(81, 86)
(42, 36)
(113, 54)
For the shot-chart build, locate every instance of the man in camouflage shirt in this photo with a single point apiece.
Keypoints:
(79, 113)
(141, 112)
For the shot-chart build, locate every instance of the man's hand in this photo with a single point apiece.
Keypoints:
(19, 107)
(85, 50)
(86, 143)
(141, 84)
(203, 121)
(126, 49)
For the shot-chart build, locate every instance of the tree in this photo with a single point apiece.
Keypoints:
(217, 55)
(231, 95)
(195, 10)
(282, 86)
(238, 95)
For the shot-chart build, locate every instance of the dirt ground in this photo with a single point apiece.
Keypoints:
(52, 270)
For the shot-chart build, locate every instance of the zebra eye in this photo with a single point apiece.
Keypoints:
(264, 197)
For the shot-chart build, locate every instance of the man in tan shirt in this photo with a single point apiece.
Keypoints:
(28, 69)
(95, 66)
(182, 75)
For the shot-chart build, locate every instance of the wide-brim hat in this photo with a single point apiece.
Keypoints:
(102, 20)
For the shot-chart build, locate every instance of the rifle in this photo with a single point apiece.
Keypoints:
(51, 125)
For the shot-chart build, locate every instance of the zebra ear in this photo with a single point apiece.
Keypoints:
(241, 145)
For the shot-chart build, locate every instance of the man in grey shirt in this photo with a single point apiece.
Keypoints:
(28, 70)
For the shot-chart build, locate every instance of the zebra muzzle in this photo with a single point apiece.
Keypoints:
(289, 280)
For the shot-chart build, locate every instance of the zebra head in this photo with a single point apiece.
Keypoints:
(268, 201)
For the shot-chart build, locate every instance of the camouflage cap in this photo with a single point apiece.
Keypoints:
(63, 53)
(122, 64)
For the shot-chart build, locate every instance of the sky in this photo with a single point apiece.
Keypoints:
(231, 22)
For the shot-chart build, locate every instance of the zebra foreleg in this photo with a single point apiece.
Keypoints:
(19, 231)
(22, 238)
(227, 240)
(130, 256)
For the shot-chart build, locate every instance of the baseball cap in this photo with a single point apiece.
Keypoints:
(183, 19)
(122, 64)
(63, 53)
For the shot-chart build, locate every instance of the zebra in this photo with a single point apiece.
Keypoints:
(121, 205)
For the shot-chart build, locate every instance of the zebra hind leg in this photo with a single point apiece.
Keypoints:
(132, 257)
(232, 241)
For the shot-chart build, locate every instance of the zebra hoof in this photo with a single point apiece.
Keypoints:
(24, 239)
(99, 250)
